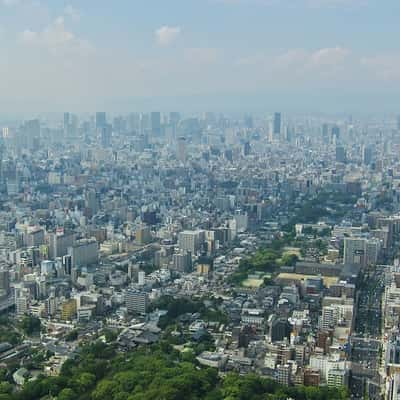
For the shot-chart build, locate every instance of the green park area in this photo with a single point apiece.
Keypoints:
(156, 372)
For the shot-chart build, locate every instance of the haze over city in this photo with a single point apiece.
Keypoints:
(298, 55)
(199, 200)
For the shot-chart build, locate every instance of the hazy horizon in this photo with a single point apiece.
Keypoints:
(300, 55)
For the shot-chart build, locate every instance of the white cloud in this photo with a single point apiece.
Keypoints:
(166, 35)
(328, 57)
(54, 37)
(298, 59)
(385, 67)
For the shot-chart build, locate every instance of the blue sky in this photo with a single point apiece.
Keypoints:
(122, 54)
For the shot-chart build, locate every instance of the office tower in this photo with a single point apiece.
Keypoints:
(329, 317)
(84, 252)
(34, 237)
(182, 262)
(59, 243)
(337, 377)
(4, 282)
(67, 122)
(141, 278)
(278, 328)
(277, 124)
(354, 251)
(22, 297)
(335, 134)
(181, 149)
(174, 118)
(101, 120)
(246, 149)
(136, 301)
(242, 220)
(32, 134)
(368, 154)
(50, 305)
(155, 119)
(67, 264)
(106, 135)
(248, 122)
(47, 267)
(68, 310)
(283, 374)
(143, 235)
(340, 154)
(325, 133)
(92, 201)
(190, 241)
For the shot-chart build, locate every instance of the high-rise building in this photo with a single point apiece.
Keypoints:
(277, 124)
(367, 154)
(325, 133)
(67, 122)
(335, 134)
(181, 149)
(136, 301)
(92, 201)
(141, 278)
(361, 251)
(190, 241)
(143, 235)
(340, 154)
(182, 262)
(283, 374)
(68, 310)
(248, 122)
(106, 135)
(32, 133)
(67, 264)
(22, 297)
(155, 118)
(278, 328)
(59, 243)
(84, 252)
(354, 251)
(246, 149)
(174, 118)
(329, 317)
(4, 282)
(337, 377)
(101, 120)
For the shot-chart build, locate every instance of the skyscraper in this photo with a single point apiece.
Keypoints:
(277, 124)
(335, 134)
(340, 154)
(181, 149)
(67, 122)
(106, 134)
(155, 118)
(101, 120)
(325, 133)
(367, 154)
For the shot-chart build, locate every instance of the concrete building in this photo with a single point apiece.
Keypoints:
(136, 301)
(84, 252)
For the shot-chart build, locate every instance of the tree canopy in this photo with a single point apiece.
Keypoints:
(155, 373)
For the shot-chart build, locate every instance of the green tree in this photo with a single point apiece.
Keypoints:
(66, 394)
(30, 324)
